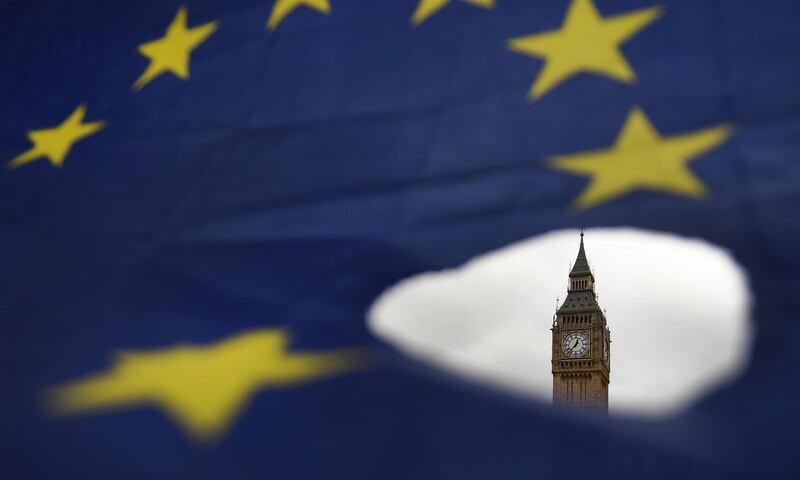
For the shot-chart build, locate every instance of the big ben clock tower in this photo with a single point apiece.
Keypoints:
(581, 358)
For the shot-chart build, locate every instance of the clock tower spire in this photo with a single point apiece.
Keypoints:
(581, 354)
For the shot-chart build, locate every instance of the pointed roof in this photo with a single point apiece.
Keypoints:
(581, 266)
(580, 301)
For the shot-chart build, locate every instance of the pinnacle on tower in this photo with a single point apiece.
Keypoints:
(581, 266)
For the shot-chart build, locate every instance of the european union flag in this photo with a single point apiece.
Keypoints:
(201, 200)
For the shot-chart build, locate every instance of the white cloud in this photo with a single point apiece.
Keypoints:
(678, 310)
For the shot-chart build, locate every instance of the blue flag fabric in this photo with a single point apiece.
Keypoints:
(190, 188)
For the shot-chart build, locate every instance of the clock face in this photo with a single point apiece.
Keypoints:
(575, 344)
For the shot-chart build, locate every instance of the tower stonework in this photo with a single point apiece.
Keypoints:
(581, 356)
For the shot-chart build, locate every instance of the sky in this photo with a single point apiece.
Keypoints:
(678, 310)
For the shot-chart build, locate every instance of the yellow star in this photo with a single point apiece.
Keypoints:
(282, 8)
(203, 388)
(586, 42)
(642, 159)
(427, 8)
(55, 143)
(170, 53)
